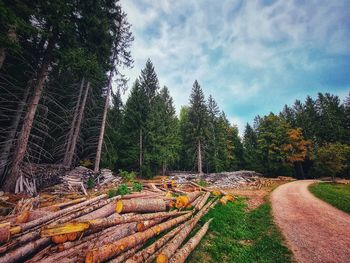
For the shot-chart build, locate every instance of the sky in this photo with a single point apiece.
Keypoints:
(252, 56)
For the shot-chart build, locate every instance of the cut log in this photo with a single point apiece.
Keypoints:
(140, 205)
(202, 202)
(34, 234)
(169, 249)
(225, 199)
(183, 200)
(142, 226)
(104, 223)
(181, 255)
(121, 258)
(115, 248)
(148, 254)
(24, 251)
(47, 218)
(104, 211)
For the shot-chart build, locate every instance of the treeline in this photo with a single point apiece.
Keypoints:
(145, 134)
(57, 62)
(309, 139)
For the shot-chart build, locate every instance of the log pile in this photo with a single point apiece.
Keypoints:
(74, 228)
(219, 180)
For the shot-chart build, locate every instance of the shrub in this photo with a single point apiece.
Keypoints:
(137, 187)
(90, 183)
(122, 189)
(129, 177)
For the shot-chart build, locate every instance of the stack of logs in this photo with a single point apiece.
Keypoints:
(118, 229)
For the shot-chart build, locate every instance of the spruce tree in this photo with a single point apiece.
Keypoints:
(198, 122)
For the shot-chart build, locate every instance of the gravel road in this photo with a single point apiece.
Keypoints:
(314, 230)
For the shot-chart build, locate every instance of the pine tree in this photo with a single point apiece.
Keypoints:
(198, 121)
(134, 122)
(162, 135)
(250, 144)
(212, 150)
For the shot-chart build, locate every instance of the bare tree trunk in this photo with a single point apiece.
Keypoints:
(11, 34)
(23, 138)
(103, 125)
(2, 56)
(200, 169)
(5, 151)
(71, 131)
(141, 151)
(77, 127)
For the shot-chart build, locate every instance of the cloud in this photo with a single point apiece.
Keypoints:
(251, 55)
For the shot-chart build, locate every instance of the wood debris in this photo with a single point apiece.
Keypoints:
(90, 227)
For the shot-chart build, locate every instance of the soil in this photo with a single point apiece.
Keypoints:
(314, 230)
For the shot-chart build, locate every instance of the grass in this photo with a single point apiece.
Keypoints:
(337, 195)
(238, 235)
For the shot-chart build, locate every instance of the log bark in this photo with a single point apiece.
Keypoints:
(181, 254)
(103, 124)
(125, 255)
(104, 211)
(2, 56)
(140, 205)
(202, 202)
(35, 234)
(105, 222)
(148, 254)
(200, 169)
(169, 249)
(115, 248)
(72, 128)
(23, 138)
(24, 251)
(71, 151)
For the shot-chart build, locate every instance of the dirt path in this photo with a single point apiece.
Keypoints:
(315, 231)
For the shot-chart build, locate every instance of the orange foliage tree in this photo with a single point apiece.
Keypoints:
(297, 150)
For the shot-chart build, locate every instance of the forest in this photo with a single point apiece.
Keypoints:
(58, 63)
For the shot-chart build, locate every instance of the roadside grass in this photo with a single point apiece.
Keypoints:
(337, 195)
(238, 235)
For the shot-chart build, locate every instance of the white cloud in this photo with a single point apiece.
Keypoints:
(266, 41)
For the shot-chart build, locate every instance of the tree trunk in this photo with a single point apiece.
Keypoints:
(103, 253)
(140, 205)
(181, 255)
(148, 254)
(5, 151)
(141, 151)
(71, 151)
(2, 56)
(103, 124)
(71, 131)
(200, 169)
(102, 223)
(299, 170)
(170, 248)
(23, 138)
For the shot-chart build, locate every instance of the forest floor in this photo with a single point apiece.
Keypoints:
(314, 230)
(243, 231)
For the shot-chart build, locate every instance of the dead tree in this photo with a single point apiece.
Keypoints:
(72, 148)
(5, 151)
(72, 128)
(23, 138)
(103, 125)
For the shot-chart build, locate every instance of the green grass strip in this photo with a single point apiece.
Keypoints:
(236, 235)
(338, 195)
